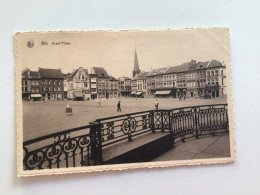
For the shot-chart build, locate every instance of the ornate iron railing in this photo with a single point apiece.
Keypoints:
(62, 149)
(83, 146)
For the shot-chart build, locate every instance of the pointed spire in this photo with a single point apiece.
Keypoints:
(136, 66)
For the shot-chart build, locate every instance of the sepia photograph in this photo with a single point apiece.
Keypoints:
(111, 100)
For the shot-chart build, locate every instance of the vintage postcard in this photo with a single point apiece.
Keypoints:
(112, 100)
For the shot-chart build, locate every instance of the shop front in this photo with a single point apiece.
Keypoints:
(181, 92)
(165, 93)
(139, 94)
(36, 97)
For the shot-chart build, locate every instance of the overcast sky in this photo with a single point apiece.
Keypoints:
(115, 50)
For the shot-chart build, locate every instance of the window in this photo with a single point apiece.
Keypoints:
(208, 72)
(212, 73)
(216, 72)
(221, 72)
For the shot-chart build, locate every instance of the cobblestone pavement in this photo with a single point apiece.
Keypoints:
(202, 148)
(42, 118)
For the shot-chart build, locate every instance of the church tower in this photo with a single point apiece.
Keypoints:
(136, 70)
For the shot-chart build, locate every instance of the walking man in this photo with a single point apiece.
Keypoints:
(156, 104)
(99, 103)
(118, 107)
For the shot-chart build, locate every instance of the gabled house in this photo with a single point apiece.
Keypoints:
(102, 82)
(78, 85)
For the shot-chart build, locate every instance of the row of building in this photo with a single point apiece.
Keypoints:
(191, 79)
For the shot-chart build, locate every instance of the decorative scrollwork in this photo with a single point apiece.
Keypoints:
(146, 121)
(129, 125)
(84, 141)
(53, 153)
(34, 159)
(110, 130)
(157, 120)
(61, 137)
(165, 120)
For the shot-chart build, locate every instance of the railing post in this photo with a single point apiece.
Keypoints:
(170, 121)
(227, 126)
(96, 142)
(170, 127)
(196, 121)
(162, 121)
(152, 121)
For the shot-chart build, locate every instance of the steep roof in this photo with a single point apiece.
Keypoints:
(101, 72)
(214, 63)
(141, 75)
(72, 75)
(202, 65)
(111, 78)
(51, 73)
(35, 73)
(125, 78)
(181, 68)
(156, 71)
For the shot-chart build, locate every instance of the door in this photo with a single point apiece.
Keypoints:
(217, 93)
(213, 94)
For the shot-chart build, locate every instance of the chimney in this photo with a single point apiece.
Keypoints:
(193, 61)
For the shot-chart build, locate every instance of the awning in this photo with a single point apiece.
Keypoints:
(163, 92)
(139, 93)
(36, 95)
(78, 93)
(132, 93)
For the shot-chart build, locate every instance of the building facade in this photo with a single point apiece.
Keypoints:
(42, 84)
(93, 86)
(139, 84)
(191, 79)
(52, 84)
(107, 86)
(113, 88)
(31, 85)
(78, 85)
(124, 86)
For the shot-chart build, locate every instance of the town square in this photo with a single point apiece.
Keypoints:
(43, 118)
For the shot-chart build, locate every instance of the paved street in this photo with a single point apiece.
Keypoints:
(42, 118)
(203, 148)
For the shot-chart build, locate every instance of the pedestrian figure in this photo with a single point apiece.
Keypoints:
(156, 104)
(118, 107)
(99, 103)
